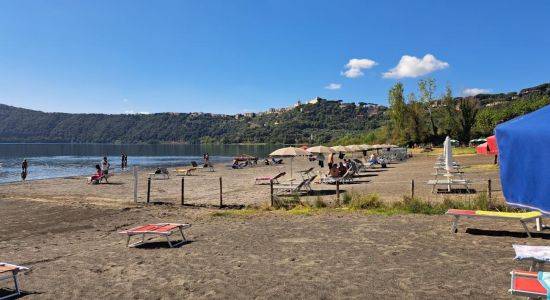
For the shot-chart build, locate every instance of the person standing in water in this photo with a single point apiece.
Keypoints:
(24, 170)
(122, 156)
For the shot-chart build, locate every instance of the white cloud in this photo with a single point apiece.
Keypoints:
(333, 86)
(411, 66)
(355, 65)
(475, 91)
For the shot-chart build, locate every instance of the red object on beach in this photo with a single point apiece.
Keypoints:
(489, 147)
(461, 212)
(492, 142)
(482, 149)
(164, 229)
(304, 147)
(527, 284)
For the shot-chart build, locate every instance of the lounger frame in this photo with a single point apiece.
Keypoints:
(523, 221)
(172, 227)
(12, 275)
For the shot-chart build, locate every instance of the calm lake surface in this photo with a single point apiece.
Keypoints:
(60, 160)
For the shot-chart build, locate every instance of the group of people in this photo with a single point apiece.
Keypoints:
(341, 168)
(101, 171)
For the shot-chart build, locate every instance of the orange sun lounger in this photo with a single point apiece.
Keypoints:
(163, 229)
(529, 284)
(521, 217)
(9, 271)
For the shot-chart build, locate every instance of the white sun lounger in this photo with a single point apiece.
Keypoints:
(9, 271)
(449, 183)
(537, 255)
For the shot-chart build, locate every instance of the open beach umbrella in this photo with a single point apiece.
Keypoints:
(321, 150)
(354, 148)
(289, 152)
(524, 153)
(340, 148)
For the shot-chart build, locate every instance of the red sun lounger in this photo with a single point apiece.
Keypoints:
(9, 271)
(529, 284)
(164, 229)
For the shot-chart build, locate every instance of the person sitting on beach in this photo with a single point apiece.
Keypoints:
(96, 178)
(235, 164)
(342, 169)
(334, 172)
(373, 159)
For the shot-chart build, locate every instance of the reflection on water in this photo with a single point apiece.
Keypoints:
(58, 160)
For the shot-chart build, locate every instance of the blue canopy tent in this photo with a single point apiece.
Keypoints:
(524, 154)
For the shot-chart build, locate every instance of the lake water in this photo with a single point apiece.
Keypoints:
(60, 160)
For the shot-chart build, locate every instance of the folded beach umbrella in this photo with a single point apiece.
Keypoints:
(448, 154)
(524, 153)
(289, 152)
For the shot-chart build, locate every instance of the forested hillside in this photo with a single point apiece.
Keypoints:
(307, 123)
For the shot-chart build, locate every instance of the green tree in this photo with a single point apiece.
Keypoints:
(427, 88)
(398, 111)
(415, 119)
(450, 123)
(468, 111)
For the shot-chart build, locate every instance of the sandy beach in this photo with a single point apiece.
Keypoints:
(67, 232)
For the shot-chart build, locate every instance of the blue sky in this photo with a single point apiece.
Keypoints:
(235, 56)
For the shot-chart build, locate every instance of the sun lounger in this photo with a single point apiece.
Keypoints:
(449, 183)
(521, 217)
(160, 172)
(275, 178)
(163, 229)
(347, 178)
(306, 173)
(293, 189)
(537, 255)
(185, 172)
(9, 271)
(530, 284)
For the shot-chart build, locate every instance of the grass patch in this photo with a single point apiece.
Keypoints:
(483, 167)
(457, 151)
(237, 212)
(365, 202)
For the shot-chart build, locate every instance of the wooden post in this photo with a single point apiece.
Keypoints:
(338, 192)
(221, 193)
(271, 193)
(412, 188)
(135, 184)
(182, 190)
(489, 192)
(148, 189)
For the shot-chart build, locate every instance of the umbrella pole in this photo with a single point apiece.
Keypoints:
(291, 159)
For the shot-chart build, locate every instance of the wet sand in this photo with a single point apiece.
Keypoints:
(67, 231)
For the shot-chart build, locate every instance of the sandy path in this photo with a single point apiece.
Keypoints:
(76, 252)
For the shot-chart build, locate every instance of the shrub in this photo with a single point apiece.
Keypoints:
(366, 202)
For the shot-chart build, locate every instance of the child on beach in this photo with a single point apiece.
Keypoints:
(97, 177)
